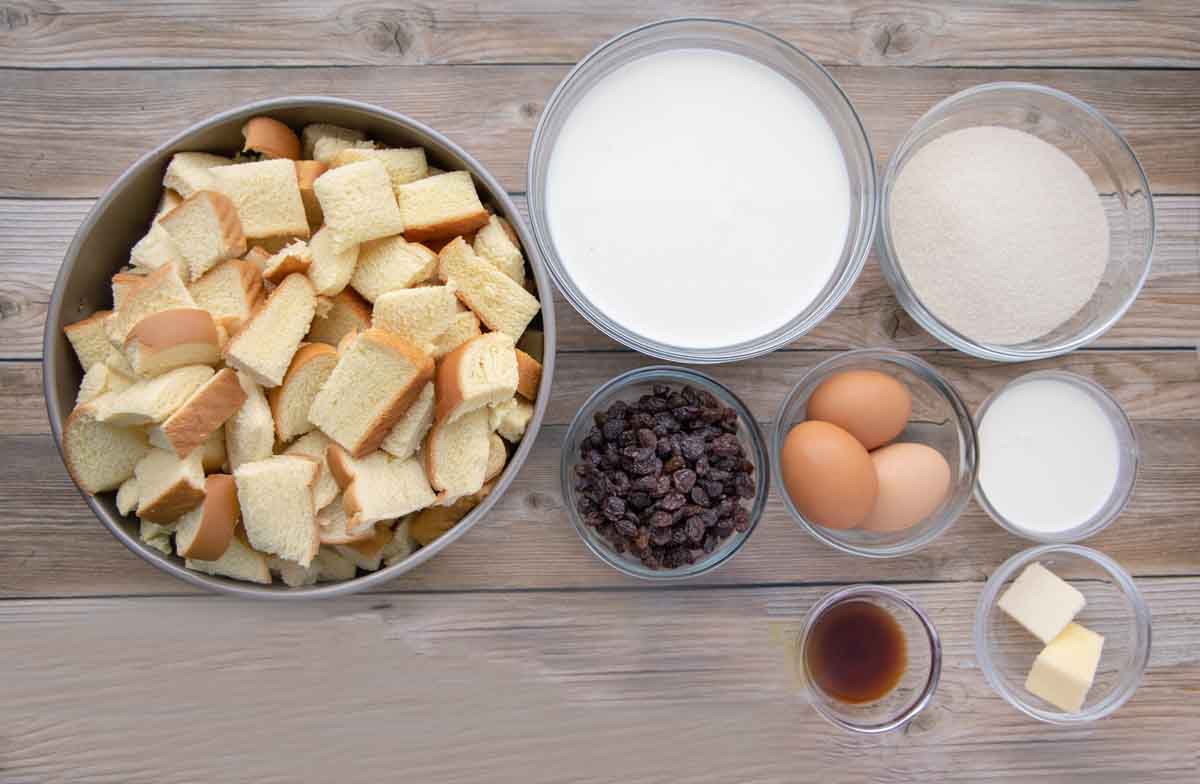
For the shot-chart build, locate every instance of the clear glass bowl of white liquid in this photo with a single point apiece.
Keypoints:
(701, 190)
(1097, 148)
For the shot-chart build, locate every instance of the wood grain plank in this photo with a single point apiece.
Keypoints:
(492, 111)
(51, 545)
(643, 686)
(1167, 313)
(91, 33)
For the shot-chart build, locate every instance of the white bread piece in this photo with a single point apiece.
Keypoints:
(358, 203)
(510, 418)
(464, 327)
(170, 339)
(293, 574)
(123, 284)
(500, 304)
(315, 132)
(99, 456)
(456, 455)
(333, 521)
(127, 496)
(157, 536)
(276, 496)
(497, 242)
(206, 230)
(418, 315)
(239, 561)
(258, 255)
(291, 400)
(190, 172)
(89, 339)
(368, 553)
(250, 432)
(402, 544)
(230, 291)
(161, 290)
(116, 361)
(533, 343)
(203, 413)
(271, 138)
(168, 485)
(167, 202)
(212, 451)
(152, 400)
(205, 532)
(529, 375)
(376, 379)
(314, 445)
(378, 487)
(307, 173)
(405, 438)
(345, 312)
(293, 259)
(478, 373)
(443, 206)
(266, 344)
(100, 380)
(403, 165)
(333, 566)
(330, 270)
(266, 195)
(427, 525)
(390, 264)
(497, 457)
(157, 249)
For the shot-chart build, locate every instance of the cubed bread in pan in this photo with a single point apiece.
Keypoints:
(497, 242)
(367, 554)
(377, 377)
(339, 136)
(511, 418)
(418, 315)
(497, 457)
(99, 380)
(478, 373)
(500, 303)
(206, 230)
(229, 291)
(403, 165)
(406, 436)
(456, 455)
(123, 284)
(428, 524)
(89, 339)
(333, 566)
(168, 485)
(205, 532)
(100, 456)
(212, 451)
(358, 203)
(190, 172)
(203, 413)
(314, 444)
(276, 497)
(127, 496)
(159, 537)
(330, 270)
(258, 256)
(378, 487)
(157, 249)
(307, 173)
(167, 202)
(149, 401)
(464, 327)
(293, 574)
(239, 561)
(291, 400)
(266, 195)
(250, 432)
(265, 345)
(344, 313)
(402, 544)
(442, 206)
(293, 259)
(171, 339)
(389, 264)
(271, 138)
(529, 375)
(161, 290)
(333, 520)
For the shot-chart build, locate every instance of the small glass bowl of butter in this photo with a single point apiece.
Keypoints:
(1014, 660)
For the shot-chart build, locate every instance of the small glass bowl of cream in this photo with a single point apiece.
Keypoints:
(1058, 457)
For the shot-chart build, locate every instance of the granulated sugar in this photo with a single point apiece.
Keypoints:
(1001, 235)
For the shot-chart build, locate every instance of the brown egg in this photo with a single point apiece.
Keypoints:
(913, 481)
(870, 405)
(827, 474)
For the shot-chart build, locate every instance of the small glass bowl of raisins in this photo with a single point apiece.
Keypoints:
(664, 473)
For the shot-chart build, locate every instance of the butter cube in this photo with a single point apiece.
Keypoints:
(1042, 602)
(1063, 672)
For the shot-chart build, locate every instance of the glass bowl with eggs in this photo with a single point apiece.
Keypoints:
(875, 453)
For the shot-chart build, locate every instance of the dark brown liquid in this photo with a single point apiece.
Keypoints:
(856, 652)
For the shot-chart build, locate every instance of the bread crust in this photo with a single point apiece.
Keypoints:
(449, 388)
(529, 375)
(170, 328)
(387, 419)
(232, 238)
(220, 516)
(448, 229)
(307, 353)
(206, 410)
(271, 138)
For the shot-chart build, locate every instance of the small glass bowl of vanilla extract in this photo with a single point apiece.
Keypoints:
(869, 658)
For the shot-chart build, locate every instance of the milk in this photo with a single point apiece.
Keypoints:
(698, 198)
(1048, 455)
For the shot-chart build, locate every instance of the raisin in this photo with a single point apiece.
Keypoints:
(639, 500)
(710, 543)
(660, 519)
(692, 447)
(670, 502)
(612, 429)
(714, 489)
(699, 496)
(684, 479)
(614, 508)
(694, 528)
(647, 439)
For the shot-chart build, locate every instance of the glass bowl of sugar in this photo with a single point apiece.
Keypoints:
(1016, 222)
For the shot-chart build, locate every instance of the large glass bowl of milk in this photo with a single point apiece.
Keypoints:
(701, 190)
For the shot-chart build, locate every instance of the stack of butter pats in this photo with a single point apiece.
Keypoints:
(1046, 605)
(316, 361)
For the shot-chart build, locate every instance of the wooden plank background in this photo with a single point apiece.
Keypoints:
(515, 655)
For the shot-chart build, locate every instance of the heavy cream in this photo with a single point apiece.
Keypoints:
(698, 198)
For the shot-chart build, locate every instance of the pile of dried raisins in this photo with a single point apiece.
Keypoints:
(664, 478)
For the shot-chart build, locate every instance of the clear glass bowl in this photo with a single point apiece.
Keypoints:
(771, 51)
(1126, 470)
(939, 419)
(918, 683)
(629, 387)
(1115, 609)
(1098, 148)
